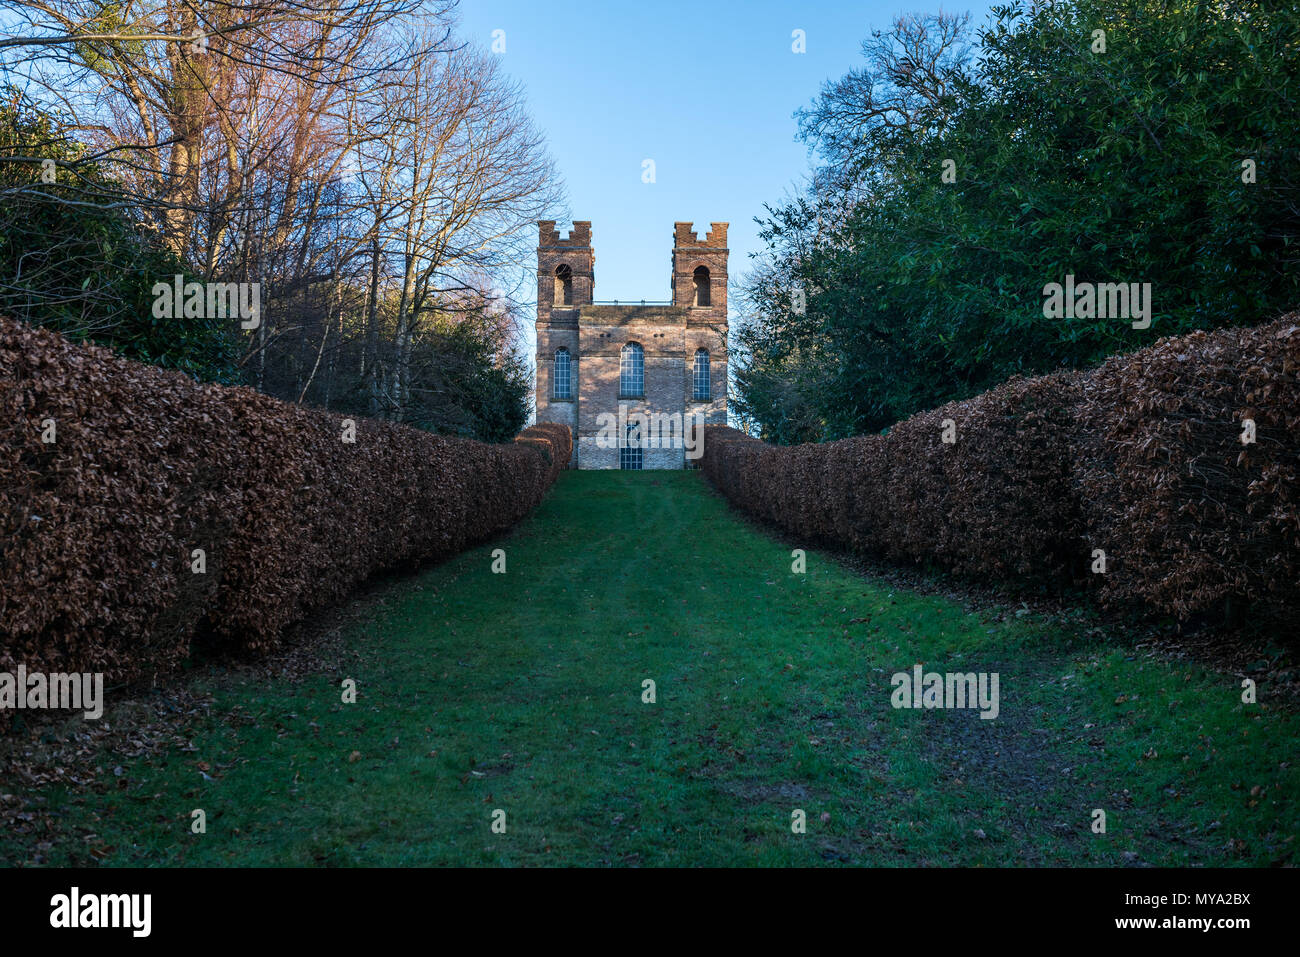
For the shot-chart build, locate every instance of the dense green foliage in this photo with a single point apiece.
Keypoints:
(470, 382)
(482, 398)
(73, 258)
(1117, 166)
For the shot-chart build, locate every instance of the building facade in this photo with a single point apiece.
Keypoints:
(621, 376)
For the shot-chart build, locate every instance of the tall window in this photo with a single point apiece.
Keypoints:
(631, 370)
(563, 285)
(700, 376)
(630, 454)
(702, 297)
(562, 378)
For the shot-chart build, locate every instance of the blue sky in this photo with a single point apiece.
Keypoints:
(705, 89)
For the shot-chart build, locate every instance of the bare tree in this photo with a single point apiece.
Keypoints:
(370, 173)
(163, 86)
(462, 174)
(905, 89)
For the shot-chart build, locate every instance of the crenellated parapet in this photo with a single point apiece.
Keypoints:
(684, 236)
(579, 237)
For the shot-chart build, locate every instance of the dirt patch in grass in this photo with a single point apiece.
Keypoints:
(761, 792)
(1012, 753)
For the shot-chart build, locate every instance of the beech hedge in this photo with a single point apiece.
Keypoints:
(1142, 459)
(114, 474)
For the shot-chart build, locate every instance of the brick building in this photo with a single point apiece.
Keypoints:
(634, 363)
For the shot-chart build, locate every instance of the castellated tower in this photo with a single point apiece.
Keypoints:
(700, 272)
(643, 362)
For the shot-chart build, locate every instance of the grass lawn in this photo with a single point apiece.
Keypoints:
(523, 692)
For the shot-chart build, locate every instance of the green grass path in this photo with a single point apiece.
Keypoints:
(523, 692)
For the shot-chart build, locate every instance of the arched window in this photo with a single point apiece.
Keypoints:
(630, 454)
(562, 378)
(703, 390)
(702, 297)
(631, 371)
(563, 285)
